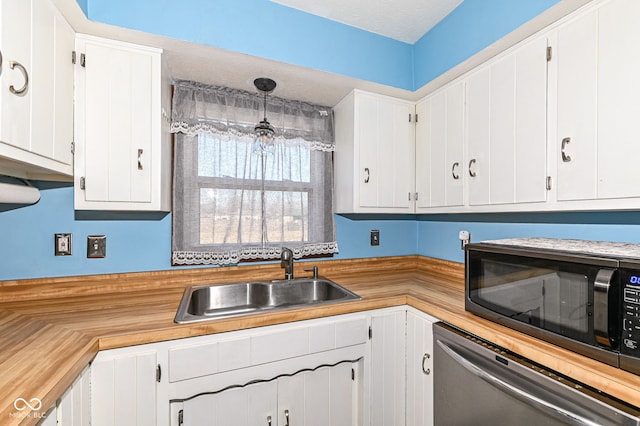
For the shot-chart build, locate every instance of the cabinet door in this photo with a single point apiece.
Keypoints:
(251, 405)
(387, 385)
(577, 118)
(385, 138)
(479, 136)
(120, 146)
(52, 84)
(325, 396)
(15, 46)
(507, 126)
(618, 93)
(123, 389)
(419, 370)
(439, 146)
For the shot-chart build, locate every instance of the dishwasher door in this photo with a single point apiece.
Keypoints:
(476, 383)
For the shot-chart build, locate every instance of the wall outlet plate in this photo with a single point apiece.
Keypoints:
(62, 244)
(96, 246)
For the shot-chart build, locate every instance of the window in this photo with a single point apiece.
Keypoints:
(235, 198)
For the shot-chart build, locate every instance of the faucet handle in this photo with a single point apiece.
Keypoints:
(315, 272)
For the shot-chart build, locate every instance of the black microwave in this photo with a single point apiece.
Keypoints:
(580, 295)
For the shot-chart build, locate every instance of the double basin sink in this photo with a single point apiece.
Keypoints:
(207, 302)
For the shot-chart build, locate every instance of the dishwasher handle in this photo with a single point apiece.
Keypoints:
(542, 404)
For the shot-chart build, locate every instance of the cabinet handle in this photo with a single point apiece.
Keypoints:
(286, 417)
(425, 370)
(0, 62)
(268, 420)
(366, 170)
(140, 151)
(471, 172)
(565, 158)
(23, 89)
(453, 171)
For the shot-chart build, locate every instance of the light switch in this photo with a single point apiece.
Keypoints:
(96, 246)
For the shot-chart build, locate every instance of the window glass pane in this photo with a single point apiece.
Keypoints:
(229, 216)
(292, 224)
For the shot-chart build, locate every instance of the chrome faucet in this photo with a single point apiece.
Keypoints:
(287, 262)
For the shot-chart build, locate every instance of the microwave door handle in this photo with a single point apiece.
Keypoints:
(493, 378)
(601, 289)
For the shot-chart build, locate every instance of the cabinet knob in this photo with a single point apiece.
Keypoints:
(140, 151)
(366, 170)
(21, 91)
(565, 158)
(268, 420)
(286, 417)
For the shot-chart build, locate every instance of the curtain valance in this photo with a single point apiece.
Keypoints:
(203, 109)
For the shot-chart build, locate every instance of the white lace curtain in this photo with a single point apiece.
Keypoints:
(236, 198)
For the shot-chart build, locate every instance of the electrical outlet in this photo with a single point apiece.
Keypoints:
(375, 237)
(62, 244)
(96, 246)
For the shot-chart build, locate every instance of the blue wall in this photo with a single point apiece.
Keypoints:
(266, 29)
(140, 243)
(471, 27)
(438, 234)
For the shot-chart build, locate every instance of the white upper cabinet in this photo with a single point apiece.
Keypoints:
(618, 94)
(598, 64)
(374, 156)
(439, 149)
(122, 137)
(506, 128)
(36, 91)
(576, 61)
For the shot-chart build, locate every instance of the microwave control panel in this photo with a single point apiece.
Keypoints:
(630, 342)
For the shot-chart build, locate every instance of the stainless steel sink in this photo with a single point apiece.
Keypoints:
(206, 302)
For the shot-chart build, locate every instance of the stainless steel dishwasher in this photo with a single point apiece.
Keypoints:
(476, 383)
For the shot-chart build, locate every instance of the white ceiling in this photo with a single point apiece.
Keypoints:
(404, 20)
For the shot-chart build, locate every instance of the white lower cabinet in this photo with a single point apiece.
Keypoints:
(387, 368)
(123, 387)
(419, 368)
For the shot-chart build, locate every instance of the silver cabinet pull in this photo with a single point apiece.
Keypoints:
(565, 158)
(23, 89)
(425, 370)
(453, 171)
(140, 151)
(366, 170)
(286, 417)
(471, 172)
(268, 420)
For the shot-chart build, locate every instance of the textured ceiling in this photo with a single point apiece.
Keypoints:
(404, 20)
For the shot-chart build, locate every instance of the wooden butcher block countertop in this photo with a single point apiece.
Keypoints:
(51, 329)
